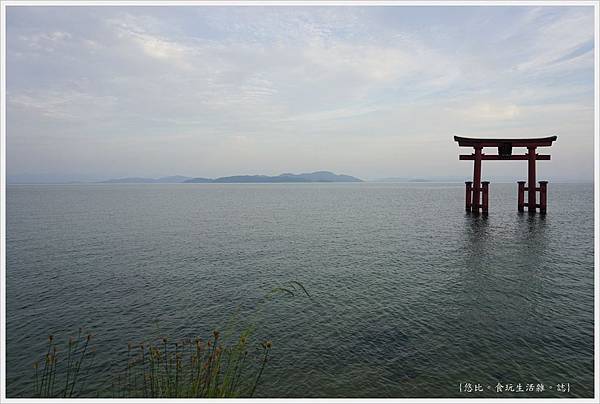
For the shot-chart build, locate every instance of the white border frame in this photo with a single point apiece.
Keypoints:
(373, 3)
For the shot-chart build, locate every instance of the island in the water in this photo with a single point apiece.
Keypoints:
(317, 176)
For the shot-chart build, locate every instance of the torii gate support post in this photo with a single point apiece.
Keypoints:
(543, 195)
(484, 195)
(521, 197)
(468, 195)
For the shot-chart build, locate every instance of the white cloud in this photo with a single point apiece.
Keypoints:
(69, 105)
(490, 111)
(47, 42)
(556, 38)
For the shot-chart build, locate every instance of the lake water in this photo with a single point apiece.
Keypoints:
(411, 296)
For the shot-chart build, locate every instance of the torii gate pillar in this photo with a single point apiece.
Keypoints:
(477, 191)
(531, 178)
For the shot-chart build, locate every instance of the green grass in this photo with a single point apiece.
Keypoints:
(215, 367)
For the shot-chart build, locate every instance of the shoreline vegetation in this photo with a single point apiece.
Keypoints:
(185, 368)
(216, 367)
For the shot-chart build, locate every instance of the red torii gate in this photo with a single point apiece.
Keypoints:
(477, 191)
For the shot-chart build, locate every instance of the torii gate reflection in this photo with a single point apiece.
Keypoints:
(477, 191)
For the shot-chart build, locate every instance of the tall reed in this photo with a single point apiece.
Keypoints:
(68, 371)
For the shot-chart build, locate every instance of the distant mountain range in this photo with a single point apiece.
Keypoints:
(317, 176)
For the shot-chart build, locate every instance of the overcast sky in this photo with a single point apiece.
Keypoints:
(101, 92)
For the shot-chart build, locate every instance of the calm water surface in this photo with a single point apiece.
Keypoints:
(411, 296)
